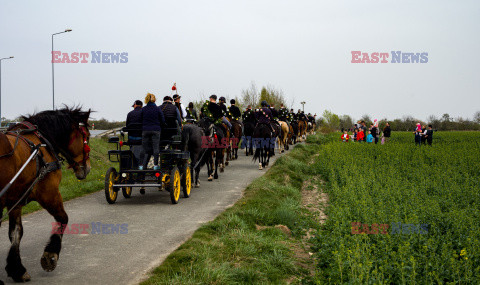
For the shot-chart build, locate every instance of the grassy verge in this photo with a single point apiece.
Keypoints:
(243, 245)
(71, 187)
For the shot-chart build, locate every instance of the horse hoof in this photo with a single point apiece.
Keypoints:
(21, 279)
(221, 170)
(142, 191)
(197, 184)
(215, 176)
(48, 261)
(226, 163)
(210, 178)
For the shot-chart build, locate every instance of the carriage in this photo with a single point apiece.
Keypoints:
(174, 175)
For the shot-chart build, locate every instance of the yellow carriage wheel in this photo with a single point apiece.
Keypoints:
(110, 179)
(187, 181)
(175, 185)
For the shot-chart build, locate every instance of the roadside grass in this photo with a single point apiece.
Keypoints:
(242, 245)
(71, 187)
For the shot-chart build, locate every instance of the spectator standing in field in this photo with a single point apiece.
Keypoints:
(364, 129)
(345, 137)
(387, 131)
(360, 135)
(423, 134)
(418, 134)
(374, 134)
(369, 137)
(429, 135)
(354, 135)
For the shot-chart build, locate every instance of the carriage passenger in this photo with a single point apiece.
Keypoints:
(180, 107)
(172, 118)
(134, 126)
(152, 120)
(191, 113)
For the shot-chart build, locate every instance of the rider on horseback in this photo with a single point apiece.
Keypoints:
(214, 112)
(264, 115)
(283, 114)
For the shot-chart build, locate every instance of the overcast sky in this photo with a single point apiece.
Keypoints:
(220, 47)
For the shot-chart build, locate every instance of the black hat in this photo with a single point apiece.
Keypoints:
(176, 96)
(232, 101)
(264, 103)
(167, 98)
(213, 97)
(222, 99)
(138, 102)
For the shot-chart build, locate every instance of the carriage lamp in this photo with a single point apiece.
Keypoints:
(120, 143)
(157, 174)
(124, 175)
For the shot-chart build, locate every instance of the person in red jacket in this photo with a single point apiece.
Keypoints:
(360, 135)
(345, 137)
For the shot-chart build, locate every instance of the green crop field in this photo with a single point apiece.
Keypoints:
(433, 192)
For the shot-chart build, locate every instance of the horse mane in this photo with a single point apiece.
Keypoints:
(57, 125)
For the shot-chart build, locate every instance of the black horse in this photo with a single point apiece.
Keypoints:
(192, 142)
(248, 129)
(264, 144)
(215, 147)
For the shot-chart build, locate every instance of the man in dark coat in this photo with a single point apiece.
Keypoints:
(217, 111)
(134, 121)
(249, 115)
(264, 115)
(429, 135)
(134, 126)
(274, 112)
(172, 117)
(234, 112)
(221, 103)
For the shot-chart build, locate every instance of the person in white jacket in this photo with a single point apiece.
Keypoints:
(181, 108)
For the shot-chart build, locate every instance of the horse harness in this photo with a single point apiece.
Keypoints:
(43, 167)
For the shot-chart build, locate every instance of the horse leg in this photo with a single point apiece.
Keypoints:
(54, 206)
(210, 166)
(222, 159)
(15, 268)
(216, 167)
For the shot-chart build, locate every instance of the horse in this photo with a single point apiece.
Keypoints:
(248, 130)
(216, 147)
(226, 151)
(262, 138)
(282, 139)
(302, 128)
(192, 142)
(276, 133)
(62, 132)
(237, 136)
(294, 126)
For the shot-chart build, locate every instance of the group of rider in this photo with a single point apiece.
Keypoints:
(151, 124)
(218, 113)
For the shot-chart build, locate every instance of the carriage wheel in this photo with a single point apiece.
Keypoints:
(174, 185)
(187, 181)
(110, 193)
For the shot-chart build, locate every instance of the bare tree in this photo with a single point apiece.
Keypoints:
(251, 95)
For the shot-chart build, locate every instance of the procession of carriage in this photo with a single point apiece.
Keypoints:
(212, 140)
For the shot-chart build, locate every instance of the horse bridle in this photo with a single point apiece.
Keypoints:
(82, 130)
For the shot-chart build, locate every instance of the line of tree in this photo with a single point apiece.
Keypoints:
(333, 122)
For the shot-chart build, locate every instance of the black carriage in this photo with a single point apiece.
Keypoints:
(174, 173)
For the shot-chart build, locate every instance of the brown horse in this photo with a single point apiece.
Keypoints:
(302, 130)
(61, 132)
(283, 137)
(237, 134)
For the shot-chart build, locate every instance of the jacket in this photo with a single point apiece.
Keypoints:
(152, 118)
(134, 120)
